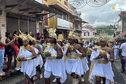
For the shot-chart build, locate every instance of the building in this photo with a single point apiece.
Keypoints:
(88, 32)
(122, 22)
(24, 15)
(69, 20)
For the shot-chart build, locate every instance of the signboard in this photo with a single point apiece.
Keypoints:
(64, 23)
(40, 1)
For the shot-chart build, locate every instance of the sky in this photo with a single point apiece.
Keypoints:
(104, 15)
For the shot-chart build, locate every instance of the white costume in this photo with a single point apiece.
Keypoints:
(85, 64)
(116, 51)
(74, 65)
(38, 60)
(101, 69)
(29, 66)
(55, 66)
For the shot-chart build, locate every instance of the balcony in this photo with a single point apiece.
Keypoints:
(62, 5)
(60, 24)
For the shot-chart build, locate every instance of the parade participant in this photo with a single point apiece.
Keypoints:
(83, 59)
(116, 51)
(54, 63)
(38, 60)
(9, 50)
(92, 63)
(2, 50)
(74, 65)
(60, 42)
(102, 58)
(27, 55)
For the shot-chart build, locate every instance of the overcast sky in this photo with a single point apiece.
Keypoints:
(104, 15)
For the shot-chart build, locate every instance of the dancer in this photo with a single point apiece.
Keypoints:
(38, 60)
(102, 58)
(73, 64)
(27, 55)
(54, 63)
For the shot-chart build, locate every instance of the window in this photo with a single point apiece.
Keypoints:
(84, 33)
(64, 16)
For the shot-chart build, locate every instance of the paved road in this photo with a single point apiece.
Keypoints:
(20, 79)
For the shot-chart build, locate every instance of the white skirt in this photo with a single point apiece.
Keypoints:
(29, 68)
(39, 61)
(103, 70)
(85, 64)
(74, 66)
(57, 68)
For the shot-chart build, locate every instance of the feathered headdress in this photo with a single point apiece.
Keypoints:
(102, 37)
(31, 38)
(60, 37)
(52, 33)
(71, 35)
(22, 36)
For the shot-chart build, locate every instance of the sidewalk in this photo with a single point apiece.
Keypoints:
(11, 74)
(118, 66)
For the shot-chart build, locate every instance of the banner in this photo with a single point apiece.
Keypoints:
(64, 23)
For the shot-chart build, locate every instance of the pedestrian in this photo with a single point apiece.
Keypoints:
(2, 50)
(38, 36)
(16, 51)
(123, 55)
(9, 51)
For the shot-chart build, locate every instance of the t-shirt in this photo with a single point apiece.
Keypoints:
(123, 47)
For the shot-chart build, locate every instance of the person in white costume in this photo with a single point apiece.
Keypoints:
(102, 68)
(116, 51)
(38, 60)
(54, 63)
(74, 66)
(60, 43)
(28, 64)
(83, 59)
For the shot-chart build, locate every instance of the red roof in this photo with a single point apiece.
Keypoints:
(116, 37)
(122, 34)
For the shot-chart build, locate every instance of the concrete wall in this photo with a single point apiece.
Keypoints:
(3, 28)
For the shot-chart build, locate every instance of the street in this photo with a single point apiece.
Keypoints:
(20, 78)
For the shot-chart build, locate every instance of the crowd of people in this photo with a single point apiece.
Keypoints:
(59, 55)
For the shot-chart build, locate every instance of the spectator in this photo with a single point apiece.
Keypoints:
(123, 55)
(38, 36)
(16, 52)
(2, 50)
(9, 50)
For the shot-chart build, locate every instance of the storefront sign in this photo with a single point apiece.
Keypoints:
(40, 1)
(64, 23)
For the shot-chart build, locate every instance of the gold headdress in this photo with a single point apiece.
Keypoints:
(31, 38)
(60, 38)
(52, 33)
(22, 36)
(103, 38)
(71, 35)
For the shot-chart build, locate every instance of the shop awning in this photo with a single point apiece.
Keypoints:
(116, 37)
(27, 7)
(81, 21)
(122, 34)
